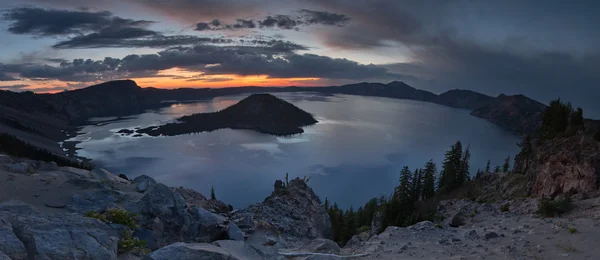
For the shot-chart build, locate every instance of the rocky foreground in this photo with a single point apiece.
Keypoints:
(43, 211)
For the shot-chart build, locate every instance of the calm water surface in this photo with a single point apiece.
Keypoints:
(355, 152)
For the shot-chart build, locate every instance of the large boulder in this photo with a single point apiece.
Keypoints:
(321, 245)
(143, 182)
(104, 175)
(208, 226)
(164, 212)
(55, 236)
(99, 200)
(185, 251)
(294, 212)
(10, 244)
(18, 167)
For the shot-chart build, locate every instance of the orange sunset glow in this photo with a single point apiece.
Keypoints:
(180, 78)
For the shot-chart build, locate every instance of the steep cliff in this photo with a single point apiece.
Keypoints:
(564, 165)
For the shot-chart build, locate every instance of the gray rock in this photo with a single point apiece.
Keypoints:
(321, 245)
(239, 249)
(185, 251)
(18, 167)
(297, 212)
(146, 235)
(55, 204)
(143, 182)
(234, 232)
(490, 235)
(3, 256)
(47, 166)
(376, 223)
(457, 220)
(9, 243)
(104, 175)
(128, 256)
(472, 235)
(208, 226)
(95, 201)
(162, 208)
(60, 236)
(76, 171)
(5, 159)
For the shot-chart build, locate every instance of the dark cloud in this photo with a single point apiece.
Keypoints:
(274, 58)
(54, 22)
(87, 29)
(280, 21)
(5, 77)
(323, 17)
(154, 41)
(543, 75)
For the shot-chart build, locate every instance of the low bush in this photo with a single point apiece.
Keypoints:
(116, 216)
(363, 229)
(505, 207)
(128, 243)
(552, 208)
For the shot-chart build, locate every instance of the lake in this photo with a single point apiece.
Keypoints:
(354, 153)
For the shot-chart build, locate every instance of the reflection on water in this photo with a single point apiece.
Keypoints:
(355, 151)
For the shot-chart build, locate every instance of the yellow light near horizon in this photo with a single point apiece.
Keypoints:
(181, 78)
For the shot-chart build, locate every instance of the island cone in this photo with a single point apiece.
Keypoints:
(264, 113)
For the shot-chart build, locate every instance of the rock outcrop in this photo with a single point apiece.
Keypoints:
(294, 211)
(26, 233)
(562, 166)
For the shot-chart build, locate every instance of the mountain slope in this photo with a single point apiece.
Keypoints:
(517, 113)
(460, 98)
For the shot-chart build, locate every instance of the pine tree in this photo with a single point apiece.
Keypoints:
(429, 180)
(326, 205)
(497, 170)
(464, 174)
(403, 191)
(212, 193)
(417, 185)
(506, 165)
(577, 119)
(555, 120)
(487, 167)
(451, 168)
(348, 225)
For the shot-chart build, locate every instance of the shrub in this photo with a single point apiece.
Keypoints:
(115, 215)
(572, 230)
(505, 207)
(96, 215)
(597, 136)
(128, 243)
(553, 208)
(121, 216)
(363, 229)
(439, 226)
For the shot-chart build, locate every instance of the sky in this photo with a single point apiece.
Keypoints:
(543, 49)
